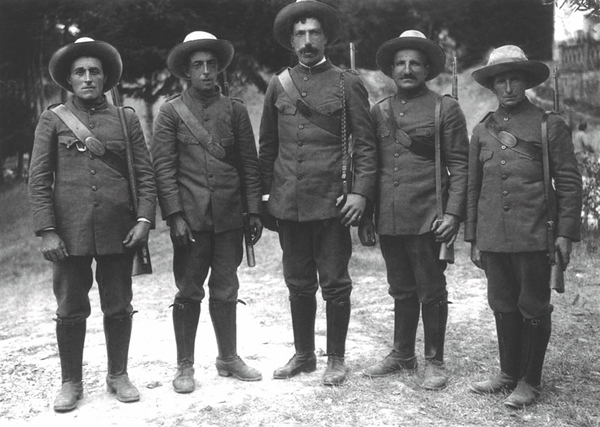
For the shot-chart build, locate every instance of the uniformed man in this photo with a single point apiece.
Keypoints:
(507, 217)
(301, 153)
(82, 209)
(205, 159)
(406, 212)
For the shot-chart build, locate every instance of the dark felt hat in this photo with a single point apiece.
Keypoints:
(194, 41)
(62, 59)
(411, 39)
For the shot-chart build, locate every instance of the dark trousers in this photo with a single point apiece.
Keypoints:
(221, 253)
(413, 267)
(518, 281)
(316, 253)
(73, 279)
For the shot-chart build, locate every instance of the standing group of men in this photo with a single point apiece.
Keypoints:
(415, 178)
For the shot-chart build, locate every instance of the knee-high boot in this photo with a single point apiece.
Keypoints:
(435, 317)
(186, 315)
(71, 339)
(303, 310)
(402, 357)
(338, 319)
(535, 336)
(224, 319)
(118, 336)
(508, 327)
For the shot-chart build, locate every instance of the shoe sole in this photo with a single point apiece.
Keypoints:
(122, 399)
(231, 374)
(297, 371)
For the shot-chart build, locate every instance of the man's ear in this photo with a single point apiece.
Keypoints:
(428, 69)
(186, 71)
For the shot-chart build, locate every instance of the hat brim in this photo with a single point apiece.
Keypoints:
(176, 60)
(538, 72)
(290, 14)
(434, 52)
(62, 60)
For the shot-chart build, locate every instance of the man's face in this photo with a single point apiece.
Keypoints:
(509, 87)
(203, 70)
(87, 78)
(409, 69)
(309, 40)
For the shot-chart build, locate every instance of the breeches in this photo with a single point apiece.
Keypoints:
(73, 279)
(316, 253)
(221, 253)
(518, 281)
(413, 267)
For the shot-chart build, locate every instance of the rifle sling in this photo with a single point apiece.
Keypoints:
(550, 225)
(199, 132)
(525, 148)
(439, 202)
(321, 120)
(111, 159)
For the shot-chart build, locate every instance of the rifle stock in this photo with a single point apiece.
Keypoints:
(141, 259)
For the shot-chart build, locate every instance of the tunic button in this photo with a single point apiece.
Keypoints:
(301, 127)
(401, 114)
(210, 175)
(504, 147)
(503, 162)
(91, 126)
(299, 177)
(303, 94)
(94, 188)
(300, 143)
(505, 193)
(96, 204)
(93, 172)
(506, 208)
(206, 119)
(504, 177)
(212, 189)
(506, 119)
(305, 79)
(396, 183)
(300, 160)
(205, 105)
(396, 169)
(403, 101)
(396, 154)
(397, 142)
(91, 156)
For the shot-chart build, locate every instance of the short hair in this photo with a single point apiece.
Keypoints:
(582, 126)
(303, 18)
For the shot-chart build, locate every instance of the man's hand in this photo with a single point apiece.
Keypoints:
(181, 234)
(256, 228)
(138, 235)
(447, 229)
(476, 255)
(268, 220)
(353, 209)
(564, 247)
(366, 232)
(53, 247)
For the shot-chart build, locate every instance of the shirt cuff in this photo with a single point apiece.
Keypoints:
(265, 197)
(142, 219)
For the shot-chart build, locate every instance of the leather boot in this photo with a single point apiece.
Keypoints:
(338, 318)
(535, 337)
(186, 314)
(402, 357)
(435, 317)
(70, 338)
(118, 335)
(508, 328)
(224, 319)
(303, 310)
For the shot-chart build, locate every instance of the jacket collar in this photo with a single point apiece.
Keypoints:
(319, 68)
(101, 104)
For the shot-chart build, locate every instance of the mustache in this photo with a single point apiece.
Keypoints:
(308, 49)
(408, 77)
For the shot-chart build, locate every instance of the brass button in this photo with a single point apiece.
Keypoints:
(506, 208)
(96, 204)
(401, 114)
(504, 177)
(301, 127)
(503, 162)
(396, 154)
(94, 188)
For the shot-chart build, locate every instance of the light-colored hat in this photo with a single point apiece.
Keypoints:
(328, 17)
(194, 41)
(509, 58)
(411, 39)
(62, 59)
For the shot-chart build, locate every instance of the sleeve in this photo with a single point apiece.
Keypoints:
(144, 173)
(567, 179)
(455, 146)
(41, 173)
(376, 119)
(164, 157)
(474, 180)
(268, 137)
(363, 133)
(249, 160)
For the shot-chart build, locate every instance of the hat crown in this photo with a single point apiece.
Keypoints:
(504, 54)
(199, 35)
(413, 33)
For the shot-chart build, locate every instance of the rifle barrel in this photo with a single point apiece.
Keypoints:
(556, 91)
(352, 56)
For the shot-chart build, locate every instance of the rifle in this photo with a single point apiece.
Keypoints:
(446, 252)
(347, 163)
(247, 230)
(141, 259)
(557, 277)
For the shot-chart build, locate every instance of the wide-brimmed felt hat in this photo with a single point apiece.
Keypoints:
(328, 17)
(194, 41)
(511, 58)
(411, 39)
(62, 59)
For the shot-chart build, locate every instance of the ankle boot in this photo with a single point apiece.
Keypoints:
(186, 314)
(118, 335)
(303, 310)
(435, 317)
(402, 357)
(71, 339)
(224, 319)
(338, 318)
(535, 337)
(508, 327)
